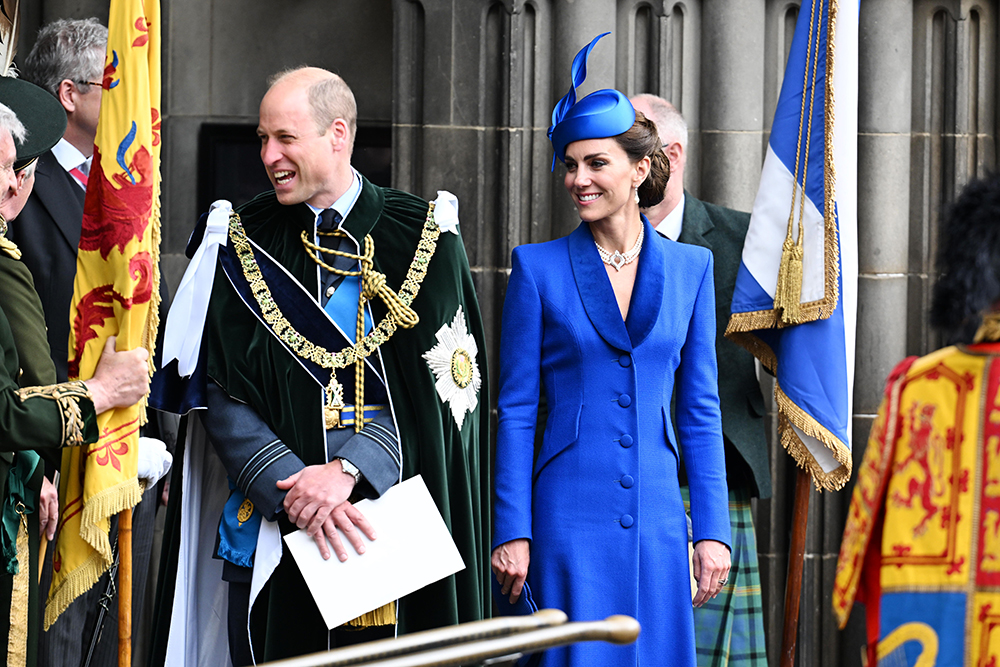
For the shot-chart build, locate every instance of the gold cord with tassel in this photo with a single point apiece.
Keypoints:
(788, 292)
(373, 284)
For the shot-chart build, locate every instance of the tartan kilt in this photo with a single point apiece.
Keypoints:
(729, 629)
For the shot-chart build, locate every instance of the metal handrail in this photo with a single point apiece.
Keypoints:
(474, 643)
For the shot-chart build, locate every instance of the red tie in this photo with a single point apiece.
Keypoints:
(79, 175)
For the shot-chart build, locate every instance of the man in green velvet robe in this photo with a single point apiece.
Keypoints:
(285, 309)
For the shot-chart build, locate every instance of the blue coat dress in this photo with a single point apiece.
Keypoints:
(600, 500)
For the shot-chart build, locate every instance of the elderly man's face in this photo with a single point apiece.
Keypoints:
(14, 204)
(8, 181)
(300, 161)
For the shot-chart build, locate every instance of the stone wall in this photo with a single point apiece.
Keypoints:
(468, 86)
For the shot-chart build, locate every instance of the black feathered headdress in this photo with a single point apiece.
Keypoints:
(968, 261)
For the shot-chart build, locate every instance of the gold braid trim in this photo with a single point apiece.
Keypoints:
(17, 631)
(67, 396)
(373, 283)
(788, 414)
(9, 248)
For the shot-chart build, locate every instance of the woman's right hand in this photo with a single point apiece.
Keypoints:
(510, 565)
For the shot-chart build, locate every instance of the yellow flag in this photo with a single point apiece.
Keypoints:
(116, 293)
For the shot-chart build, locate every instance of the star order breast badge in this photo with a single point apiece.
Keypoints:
(453, 362)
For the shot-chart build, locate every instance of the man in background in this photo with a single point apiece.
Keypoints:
(729, 629)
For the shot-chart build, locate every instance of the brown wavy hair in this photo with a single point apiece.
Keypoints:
(642, 140)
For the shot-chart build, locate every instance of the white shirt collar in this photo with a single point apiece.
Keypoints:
(672, 225)
(346, 201)
(69, 157)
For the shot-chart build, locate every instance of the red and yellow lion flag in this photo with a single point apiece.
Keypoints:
(116, 293)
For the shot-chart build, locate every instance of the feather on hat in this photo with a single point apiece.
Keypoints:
(603, 113)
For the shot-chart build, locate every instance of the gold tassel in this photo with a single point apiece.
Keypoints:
(384, 615)
(788, 293)
(989, 330)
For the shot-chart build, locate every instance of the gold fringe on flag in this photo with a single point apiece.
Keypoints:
(384, 615)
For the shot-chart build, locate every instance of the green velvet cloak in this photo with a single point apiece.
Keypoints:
(252, 366)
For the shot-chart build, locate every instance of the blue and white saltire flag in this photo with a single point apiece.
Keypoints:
(795, 301)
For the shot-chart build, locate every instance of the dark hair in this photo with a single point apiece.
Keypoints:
(643, 140)
(968, 260)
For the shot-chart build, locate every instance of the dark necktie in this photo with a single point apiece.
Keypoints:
(329, 219)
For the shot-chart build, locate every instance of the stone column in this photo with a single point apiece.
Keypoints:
(884, 164)
(732, 100)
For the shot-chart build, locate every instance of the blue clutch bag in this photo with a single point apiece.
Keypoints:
(523, 606)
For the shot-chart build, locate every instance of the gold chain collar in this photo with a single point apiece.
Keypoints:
(400, 313)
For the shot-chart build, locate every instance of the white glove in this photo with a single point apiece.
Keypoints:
(154, 460)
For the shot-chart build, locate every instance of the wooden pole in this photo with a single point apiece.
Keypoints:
(796, 558)
(125, 589)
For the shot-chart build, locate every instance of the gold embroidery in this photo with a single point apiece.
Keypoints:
(17, 635)
(245, 511)
(67, 396)
(373, 282)
(461, 368)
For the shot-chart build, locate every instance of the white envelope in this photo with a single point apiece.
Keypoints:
(412, 549)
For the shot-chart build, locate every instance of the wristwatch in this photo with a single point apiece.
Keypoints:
(350, 469)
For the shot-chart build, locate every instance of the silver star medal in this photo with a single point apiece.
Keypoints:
(453, 362)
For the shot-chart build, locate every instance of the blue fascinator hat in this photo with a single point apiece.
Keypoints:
(603, 113)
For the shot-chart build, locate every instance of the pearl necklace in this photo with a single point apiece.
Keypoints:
(618, 259)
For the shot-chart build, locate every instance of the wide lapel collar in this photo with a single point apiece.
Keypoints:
(61, 196)
(697, 226)
(595, 288)
(647, 293)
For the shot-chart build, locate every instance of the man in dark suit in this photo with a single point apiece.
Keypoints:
(729, 629)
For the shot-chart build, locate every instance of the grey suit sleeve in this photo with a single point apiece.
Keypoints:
(253, 455)
(375, 451)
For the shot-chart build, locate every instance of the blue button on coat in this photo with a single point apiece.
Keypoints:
(562, 329)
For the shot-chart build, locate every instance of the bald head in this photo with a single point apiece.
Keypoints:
(329, 95)
(669, 121)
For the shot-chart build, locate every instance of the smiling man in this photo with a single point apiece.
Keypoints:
(299, 442)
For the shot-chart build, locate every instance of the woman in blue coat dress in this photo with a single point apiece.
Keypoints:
(610, 322)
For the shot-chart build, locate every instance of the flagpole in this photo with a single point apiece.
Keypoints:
(125, 588)
(796, 558)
